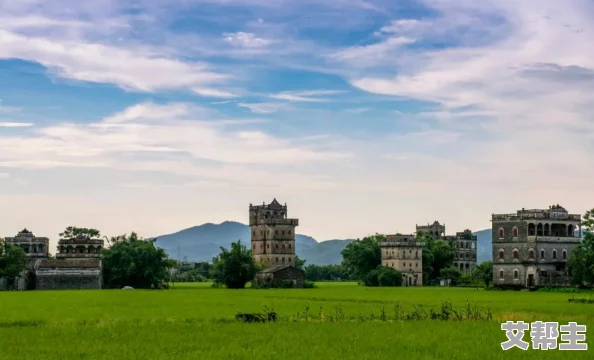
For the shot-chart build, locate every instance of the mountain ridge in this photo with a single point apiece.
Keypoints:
(203, 243)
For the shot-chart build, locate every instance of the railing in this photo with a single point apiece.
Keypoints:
(81, 242)
(77, 255)
(535, 216)
(400, 244)
(294, 222)
(535, 238)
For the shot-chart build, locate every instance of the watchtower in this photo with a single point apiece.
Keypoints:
(273, 234)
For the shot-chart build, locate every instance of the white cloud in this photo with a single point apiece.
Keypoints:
(373, 53)
(15, 124)
(262, 108)
(305, 96)
(8, 109)
(4, 175)
(206, 92)
(133, 69)
(244, 39)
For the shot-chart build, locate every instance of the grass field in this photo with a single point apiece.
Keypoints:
(194, 322)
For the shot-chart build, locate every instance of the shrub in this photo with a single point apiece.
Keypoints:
(383, 276)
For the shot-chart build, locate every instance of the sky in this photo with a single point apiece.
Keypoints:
(362, 116)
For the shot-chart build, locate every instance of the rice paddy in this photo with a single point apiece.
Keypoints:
(332, 321)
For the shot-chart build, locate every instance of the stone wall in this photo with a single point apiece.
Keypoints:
(65, 280)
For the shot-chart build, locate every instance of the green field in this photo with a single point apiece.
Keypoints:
(196, 322)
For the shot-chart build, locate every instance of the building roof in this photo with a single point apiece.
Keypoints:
(277, 268)
(65, 264)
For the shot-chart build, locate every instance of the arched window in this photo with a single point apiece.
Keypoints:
(254, 233)
(289, 259)
(515, 232)
(289, 246)
(554, 253)
(542, 254)
(283, 246)
(268, 246)
(501, 233)
(501, 274)
(516, 254)
(254, 247)
(531, 253)
(564, 254)
(501, 253)
(276, 246)
(516, 274)
(289, 232)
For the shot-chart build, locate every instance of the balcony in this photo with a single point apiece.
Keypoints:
(554, 239)
(81, 242)
(77, 256)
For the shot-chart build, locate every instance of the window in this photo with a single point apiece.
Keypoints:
(276, 246)
(276, 259)
(516, 274)
(261, 232)
(261, 246)
(283, 259)
(283, 232)
(501, 252)
(542, 254)
(289, 246)
(254, 247)
(254, 233)
(289, 232)
(416, 254)
(416, 264)
(564, 252)
(501, 233)
(289, 259)
(501, 274)
(276, 232)
(516, 254)
(283, 246)
(268, 246)
(515, 232)
(531, 253)
(554, 254)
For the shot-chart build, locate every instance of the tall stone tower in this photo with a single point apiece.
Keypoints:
(273, 234)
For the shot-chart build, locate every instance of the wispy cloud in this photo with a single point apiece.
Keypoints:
(248, 40)
(305, 96)
(262, 108)
(215, 93)
(15, 124)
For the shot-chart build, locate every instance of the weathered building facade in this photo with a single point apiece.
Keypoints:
(36, 248)
(281, 272)
(77, 265)
(531, 248)
(436, 230)
(465, 248)
(273, 241)
(405, 254)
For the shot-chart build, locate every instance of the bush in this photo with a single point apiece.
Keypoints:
(383, 276)
(309, 284)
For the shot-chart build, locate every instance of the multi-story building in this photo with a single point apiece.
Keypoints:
(405, 254)
(436, 230)
(465, 248)
(273, 243)
(79, 248)
(36, 248)
(531, 247)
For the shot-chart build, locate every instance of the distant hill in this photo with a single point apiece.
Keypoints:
(202, 243)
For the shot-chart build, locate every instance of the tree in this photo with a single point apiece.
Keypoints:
(383, 276)
(134, 261)
(299, 264)
(437, 255)
(362, 256)
(483, 272)
(13, 260)
(451, 273)
(581, 261)
(234, 268)
(72, 232)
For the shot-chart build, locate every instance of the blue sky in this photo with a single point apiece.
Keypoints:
(364, 116)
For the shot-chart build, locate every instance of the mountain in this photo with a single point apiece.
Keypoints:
(202, 243)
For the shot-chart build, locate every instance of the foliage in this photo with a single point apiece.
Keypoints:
(362, 256)
(451, 273)
(326, 272)
(581, 261)
(383, 276)
(191, 272)
(309, 284)
(189, 276)
(299, 263)
(72, 232)
(133, 261)
(13, 260)
(234, 268)
(437, 255)
(483, 272)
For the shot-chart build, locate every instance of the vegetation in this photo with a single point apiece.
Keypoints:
(234, 268)
(13, 260)
(134, 261)
(72, 232)
(581, 261)
(327, 273)
(383, 276)
(195, 321)
(193, 272)
(483, 273)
